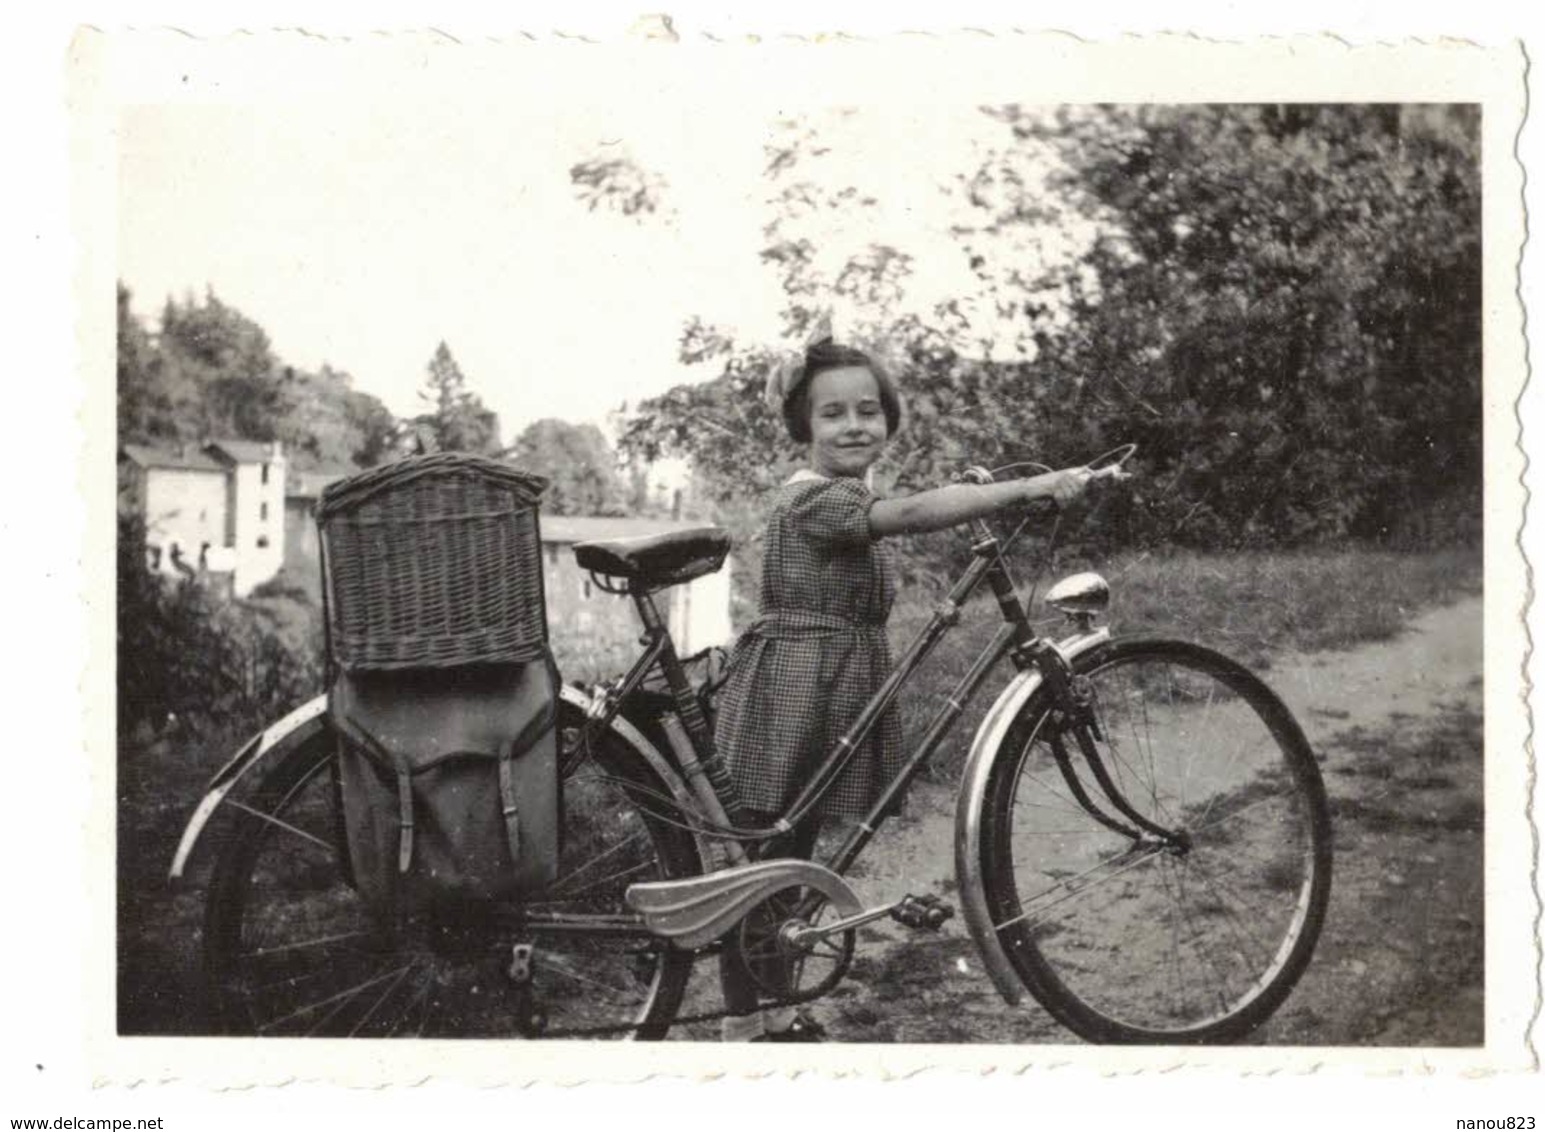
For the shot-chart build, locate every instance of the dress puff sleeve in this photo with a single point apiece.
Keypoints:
(833, 511)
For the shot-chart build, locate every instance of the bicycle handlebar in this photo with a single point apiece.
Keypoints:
(1107, 465)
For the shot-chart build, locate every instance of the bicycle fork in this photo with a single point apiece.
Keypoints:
(1074, 714)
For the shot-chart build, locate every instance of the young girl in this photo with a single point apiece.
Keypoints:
(818, 652)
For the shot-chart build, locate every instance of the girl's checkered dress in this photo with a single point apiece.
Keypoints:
(804, 671)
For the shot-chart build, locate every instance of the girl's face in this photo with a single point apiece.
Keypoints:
(847, 421)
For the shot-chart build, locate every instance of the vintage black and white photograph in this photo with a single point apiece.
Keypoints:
(640, 549)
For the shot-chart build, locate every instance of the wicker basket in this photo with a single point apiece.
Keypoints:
(431, 562)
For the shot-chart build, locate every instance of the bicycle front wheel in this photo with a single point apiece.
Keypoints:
(291, 949)
(1123, 933)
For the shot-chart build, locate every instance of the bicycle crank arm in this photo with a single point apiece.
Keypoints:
(694, 911)
(910, 911)
(809, 935)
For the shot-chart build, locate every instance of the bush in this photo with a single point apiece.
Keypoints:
(188, 654)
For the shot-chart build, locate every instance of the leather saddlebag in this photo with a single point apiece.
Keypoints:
(448, 782)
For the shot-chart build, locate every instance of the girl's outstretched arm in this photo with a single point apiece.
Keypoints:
(942, 507)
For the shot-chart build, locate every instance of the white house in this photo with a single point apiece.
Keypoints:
(217, 508)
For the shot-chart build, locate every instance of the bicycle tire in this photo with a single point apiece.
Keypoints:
(291, 949)
(1126, 942)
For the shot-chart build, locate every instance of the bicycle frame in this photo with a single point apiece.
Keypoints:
(1015, 638)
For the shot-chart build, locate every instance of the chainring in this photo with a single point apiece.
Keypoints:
(786, 972)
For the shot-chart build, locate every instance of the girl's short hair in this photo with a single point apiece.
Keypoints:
(828, 355)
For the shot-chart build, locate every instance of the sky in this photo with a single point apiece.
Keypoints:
(361, 229)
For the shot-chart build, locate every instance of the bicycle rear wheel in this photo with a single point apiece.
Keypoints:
(291, 950)
(1127, 936)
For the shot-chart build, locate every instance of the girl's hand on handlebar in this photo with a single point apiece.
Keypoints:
(1067, 485)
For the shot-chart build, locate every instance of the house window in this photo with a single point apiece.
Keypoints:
(263, 508)
(587, 587)
(265, 475)
(262, 542)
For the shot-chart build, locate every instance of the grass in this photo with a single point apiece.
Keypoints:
(1253, 606)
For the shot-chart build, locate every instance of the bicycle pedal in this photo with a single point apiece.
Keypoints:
(927, 912)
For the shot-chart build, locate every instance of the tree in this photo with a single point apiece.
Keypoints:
(1280, 305)
(618, 183)
(374, 426)
(220, 368)
(458, 421)
(829, 250)
(324, 422)
(1284, 310)
(144, 410)
(580, 464)
(212, 373)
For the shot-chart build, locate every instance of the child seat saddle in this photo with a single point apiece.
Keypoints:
(657, 561)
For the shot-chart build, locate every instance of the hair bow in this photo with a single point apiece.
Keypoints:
(783, 378)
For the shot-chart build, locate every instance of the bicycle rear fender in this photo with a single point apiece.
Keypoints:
(309, 722)
(985, 747)
(304, 723)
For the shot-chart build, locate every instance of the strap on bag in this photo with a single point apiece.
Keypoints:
(404, 772)
(509, 806)
(508, 802)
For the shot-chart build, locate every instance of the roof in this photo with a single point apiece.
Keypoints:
(182, 459)
(246, 451)
(309, 485)
(590, 528)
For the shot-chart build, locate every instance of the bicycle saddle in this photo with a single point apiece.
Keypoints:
(657, 560)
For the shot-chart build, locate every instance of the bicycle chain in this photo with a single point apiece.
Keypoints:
(608, 1031)
(717, 1015)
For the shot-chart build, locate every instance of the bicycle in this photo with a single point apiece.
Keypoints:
(1142, 845)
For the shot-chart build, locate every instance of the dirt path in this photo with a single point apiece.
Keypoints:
(1397, 726)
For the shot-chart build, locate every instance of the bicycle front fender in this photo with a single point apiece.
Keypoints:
(302, 725)
(985, 748)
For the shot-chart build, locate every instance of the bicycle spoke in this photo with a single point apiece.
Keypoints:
(429, 1010)
(387, 993)
(1245, 809)
(320, 941)
(1222, 890)
(284, 825)
(1119, 761)
(326, 971)
(1213, 801)
(1198, 938)
(1069, 804)
(1146, 748)
(1148, 939)
(329, 1000)
(599, 885)
(559, 967)
(293, 948)
(1071, 808)
(418, 996)
(1071, 893)
(593, 861)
